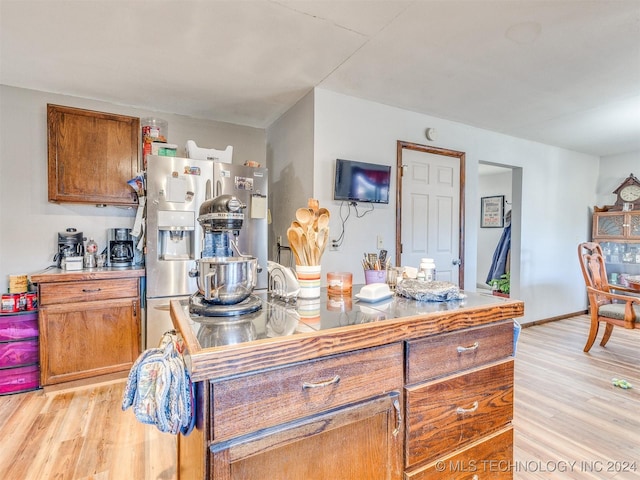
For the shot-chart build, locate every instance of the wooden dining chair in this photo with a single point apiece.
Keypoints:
(605, 304)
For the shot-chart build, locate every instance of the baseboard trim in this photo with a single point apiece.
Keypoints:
(553, 319)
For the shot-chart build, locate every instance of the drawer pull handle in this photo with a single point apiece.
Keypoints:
(333, 381)
(462, 411)
(89, 290)
(472, 348)
(396, 405)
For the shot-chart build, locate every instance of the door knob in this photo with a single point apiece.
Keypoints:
(456, 261)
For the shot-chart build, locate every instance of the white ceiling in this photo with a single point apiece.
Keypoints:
(562, 72)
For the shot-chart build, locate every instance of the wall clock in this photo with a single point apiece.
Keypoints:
(628, 193)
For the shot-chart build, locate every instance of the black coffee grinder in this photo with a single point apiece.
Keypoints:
(70, 244)
(120, 247)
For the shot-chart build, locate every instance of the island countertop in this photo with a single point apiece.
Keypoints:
(284, 333)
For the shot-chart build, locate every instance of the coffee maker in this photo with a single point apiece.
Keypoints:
(70, 244)
(120, 247)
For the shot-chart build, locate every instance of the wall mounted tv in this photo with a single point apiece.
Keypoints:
(361, 182)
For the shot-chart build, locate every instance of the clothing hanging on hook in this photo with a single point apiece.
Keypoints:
(500, 264)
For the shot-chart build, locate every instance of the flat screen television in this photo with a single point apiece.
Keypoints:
(361, 182)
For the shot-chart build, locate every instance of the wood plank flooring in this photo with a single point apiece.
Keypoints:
(570, 422)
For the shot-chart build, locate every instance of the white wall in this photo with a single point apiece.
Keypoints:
(613, 171)
(558, 188)
(290, 158)
(488, 238)
(28, 237)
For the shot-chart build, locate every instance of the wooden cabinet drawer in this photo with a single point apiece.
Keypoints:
(445, 354)
(267, 398)
(452, 412)
(491, 458)
(87, 291)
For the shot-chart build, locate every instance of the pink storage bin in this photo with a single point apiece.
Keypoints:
(15, 326)
(20, 379)
(18, 353)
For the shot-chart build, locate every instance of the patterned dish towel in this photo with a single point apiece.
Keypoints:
(159, 388)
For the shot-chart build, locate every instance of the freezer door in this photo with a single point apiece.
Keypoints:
(250, 185)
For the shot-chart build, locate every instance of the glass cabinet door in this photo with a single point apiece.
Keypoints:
(608, 225)
(634, 225)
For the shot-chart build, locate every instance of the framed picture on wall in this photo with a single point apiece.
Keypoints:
(492, 212)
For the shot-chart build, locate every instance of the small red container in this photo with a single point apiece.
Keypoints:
(31, 301)
(10, 302)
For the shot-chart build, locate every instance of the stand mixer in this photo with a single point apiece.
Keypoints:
(225, 282)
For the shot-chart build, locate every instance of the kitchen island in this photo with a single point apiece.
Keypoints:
(339, 388)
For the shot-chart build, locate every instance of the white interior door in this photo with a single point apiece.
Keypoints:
(430, 212)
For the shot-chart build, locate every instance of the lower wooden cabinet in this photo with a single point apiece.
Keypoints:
(361, 441)
(448, 414)
(88, 328)
(490, 458)
(432, 407)
(459, 404)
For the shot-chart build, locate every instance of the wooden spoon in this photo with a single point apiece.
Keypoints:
(323, 237)
(325, 211)
(304, 216)
(296, 245)
(323, 221)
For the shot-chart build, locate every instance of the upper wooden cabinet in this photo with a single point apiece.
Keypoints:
(616, 225)
(92, 155)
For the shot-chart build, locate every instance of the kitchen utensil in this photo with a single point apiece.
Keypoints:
(304, 217)
(296, 244)
(226, 280)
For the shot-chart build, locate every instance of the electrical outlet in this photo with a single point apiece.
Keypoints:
(379, 243)
(334, 246)
(280, 239)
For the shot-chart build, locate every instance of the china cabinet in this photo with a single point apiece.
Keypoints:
(618, 233)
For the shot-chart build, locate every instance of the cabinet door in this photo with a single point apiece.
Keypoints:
(362, 441)
(634, 225)
(92, 155)
(609, 225)
(81, 340)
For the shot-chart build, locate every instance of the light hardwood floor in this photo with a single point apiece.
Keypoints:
(569, 419)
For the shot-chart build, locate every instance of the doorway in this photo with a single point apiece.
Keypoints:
(499, 180)
(430, 208)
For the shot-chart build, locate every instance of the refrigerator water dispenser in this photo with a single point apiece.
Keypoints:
(176, 232)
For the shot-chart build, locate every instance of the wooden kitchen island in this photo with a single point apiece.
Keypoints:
(340, 389)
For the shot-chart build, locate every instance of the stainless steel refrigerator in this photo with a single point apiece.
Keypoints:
(176, 187)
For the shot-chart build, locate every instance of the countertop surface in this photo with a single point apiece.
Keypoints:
(105, 273)
(283, 332)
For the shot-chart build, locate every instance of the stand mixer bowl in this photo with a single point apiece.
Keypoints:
(227, 280)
